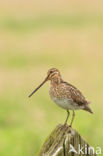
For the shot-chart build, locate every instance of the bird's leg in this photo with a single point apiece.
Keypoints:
(73, 115)
(68, 113)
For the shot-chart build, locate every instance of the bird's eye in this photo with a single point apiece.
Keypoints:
(51, 72)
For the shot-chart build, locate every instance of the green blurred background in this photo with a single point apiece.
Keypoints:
(36, 36)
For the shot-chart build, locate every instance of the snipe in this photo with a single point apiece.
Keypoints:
(64, 94)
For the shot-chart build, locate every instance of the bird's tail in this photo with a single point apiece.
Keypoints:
(87, 108)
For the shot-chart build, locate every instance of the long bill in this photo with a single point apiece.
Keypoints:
(38, 86)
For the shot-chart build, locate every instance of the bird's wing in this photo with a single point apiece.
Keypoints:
(76, 95)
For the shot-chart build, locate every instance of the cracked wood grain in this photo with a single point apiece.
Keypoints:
(60, 140)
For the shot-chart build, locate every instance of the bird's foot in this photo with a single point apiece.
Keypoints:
(65, 124)
(70, 125)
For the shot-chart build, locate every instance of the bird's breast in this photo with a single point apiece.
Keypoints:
(60, 99)
(63, 102)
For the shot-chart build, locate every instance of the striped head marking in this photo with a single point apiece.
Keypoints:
(52, 73)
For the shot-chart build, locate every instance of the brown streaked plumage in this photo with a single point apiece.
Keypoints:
(64, 94)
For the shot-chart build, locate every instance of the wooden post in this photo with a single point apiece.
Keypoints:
(63, 141)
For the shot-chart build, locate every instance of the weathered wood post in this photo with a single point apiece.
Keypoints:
(65, 141)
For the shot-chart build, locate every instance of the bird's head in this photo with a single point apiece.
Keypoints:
(51, 74)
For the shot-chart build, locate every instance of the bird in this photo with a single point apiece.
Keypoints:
(64, 94)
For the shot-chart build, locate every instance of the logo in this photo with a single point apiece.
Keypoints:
(85, 149)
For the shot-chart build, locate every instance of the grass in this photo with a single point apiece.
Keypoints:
(25, 25)
(71, 42)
